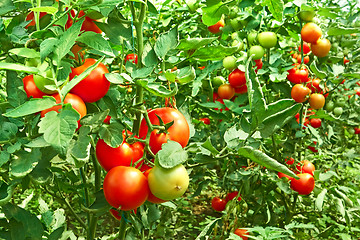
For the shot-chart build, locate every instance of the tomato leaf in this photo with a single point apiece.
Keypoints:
(100, 206)
(112, 134)
(213, 53)
(41, 173)
(6, 6)
(166, 42)
(94, 119)
(194, 43)
(79, 150)
(264, 160)
(33, 106)
(25, 162)
(6, 191)
(320, 74)
(276, 7)
(149, 57)
(47, 46)
(157, 89)
(207, 229)
(114, 29)
(96, 42)
(25, 52)
(212, 12)
(320, 199)
(171, 155)
(208, 145)
(8, 131)
(144, 72)
(18, 67)
(336, 31)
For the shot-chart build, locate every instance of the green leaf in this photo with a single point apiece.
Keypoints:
(335, 31)
(171, 155)
(50, 10)
(276, 7)
(100, 206)
(233, 136)
(4, 157)
(47, 46)
(55, 235)
(6, 191)
(25, 162)
(320, 199)
(207, 229)
(25, 52)
(166, 42)
(213, 12)
(142, 72)
(8, 131)
(320, 74)
(59, 128)
(79, 150)
(41, 173)
(149, 57)
(340, 206)
(116, 78)
(352, 75)
(112, 134)
(194, 43)
(96, 42)
(94, 119)
(115, 30)
(18, 68)
(157, 88)
(6, 6)
(208, 145)
(33, 106)
(264, 160)
(326, 176)
(344, 197)
(213, 53)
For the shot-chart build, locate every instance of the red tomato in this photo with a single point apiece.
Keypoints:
(313, 149)
(315, 122)
(306, 167)
(237, 78)
(132, 57)
(306, 48)
(124, 155)
(117, 215)
(298, 74)
(205, 120)
(216, 27)
(281, 175)
(76, 102)
(126, 188)
(93, 87)
(304, 185)
(289, 161)
(311, 32)
(258, 64)
(230, 196)
(89, 24)
(297, 115)
(357, 130)
(241, 90)
(346, 60)
(357, 91)
(314, 85)
(31, 17)
(179, 131)
(242, 233)
(306, 59)
(317, 101)
(31, 89)
(218, 204)
(226, 91)
(300, 93)
(151, 197)
(107, 119)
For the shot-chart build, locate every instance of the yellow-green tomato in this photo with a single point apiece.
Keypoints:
(257, 52)
(229, 62)
(267, 39)
(307, 15)
(41, 82)
(168, 184)
(251, 37)
(218, 81)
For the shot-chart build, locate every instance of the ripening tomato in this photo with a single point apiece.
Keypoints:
(151, 197)
(132, 57)
(89, 24)
(76, 102)
(317, 101)
(243, 233)
(125, 188)
(321, 48)
(237, 78)
(216, 27)
(300, 93)
(95, 85)
(231, 195)
(314, 85)
(218, 204)
(179, 131)
(306, 167)
(124, 155)
(315, 122)
(298, 74)
(31, 89)
(311, 32)
(306, 48)
(226, 91)
(305, 185)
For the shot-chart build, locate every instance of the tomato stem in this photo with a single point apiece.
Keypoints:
(122, 229)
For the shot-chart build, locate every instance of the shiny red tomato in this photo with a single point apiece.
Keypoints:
(237, 78)
(298, 74)
(305, 185)
(243, 233)
(314, 85)
(178, 132)
(31, 89)
(93, 87)
(76, 102)
(216, 27)
(125, 188)
(226, 91)
(289, 161)
(300, 93)
(124, 155)
(230, 196)
(218, 204)
(89, 24)
(107, 119)
(357, 130)
(306, 48)
(315, 122)
(258, 64)
(151, 197)
(306, 167)
(241, 90)
(132, 57)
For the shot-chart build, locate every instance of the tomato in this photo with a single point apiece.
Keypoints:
(257, 52)
(346, 60)
(305, 185)
(237, 78)
(338, 111)
(229, 63)
(267, 39)
(124, 155)
(306, 167)
(314, 85)
(168, 184)
(241, 90)
(242, 233)
(330, 106)
(31, 16)
(281, 175)
(317, 101)
(218, 81)
(311, 32)
(321, 48)
(179, 131)
(95, 85)
(205, 120)
(357, 130)
(125, 187)
(132, 57)
(216, 27)
(307, 15)
(31, 89)
(89, 24)
(306, 59)
(41, 82)
(289, 161)
(258, 64)
(306, 48)
(236, 23)
(107, 119)
(357, 91)
(298, 74)
(151, 197)
(251, 37)
(315, 122)
(230, 196)
(226, 91)
(76, 102)
(218, 204)
(300, 93)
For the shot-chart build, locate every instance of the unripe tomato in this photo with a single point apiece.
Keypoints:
(315, 122)
(229, 63)
(321, 48)
(267, 39)
(311, 32)
(300, 93)
(317, 101)
(216, 27)
(338, 111)
(305, 185)
(41, 82)
(257, 52)
(306, 167)
(31, 89)
(251, 37)
(307, 15)
(125, 188)
(218, 204)
(226, 91)
(218, 81)
(237, 78)
(330, 106)
(243, 233)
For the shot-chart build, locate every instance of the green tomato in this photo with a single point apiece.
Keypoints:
(236, 24)
(340, 102)
(41, 82)
(251, 37)
(168, 184)
(229, 63)
(233, 12)
(330, 106)
(267, 39)
(218, 81)
(239, 44)
(235, 36)
(32, 62)
(257, 52)
(307, 15)
(338, 111)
